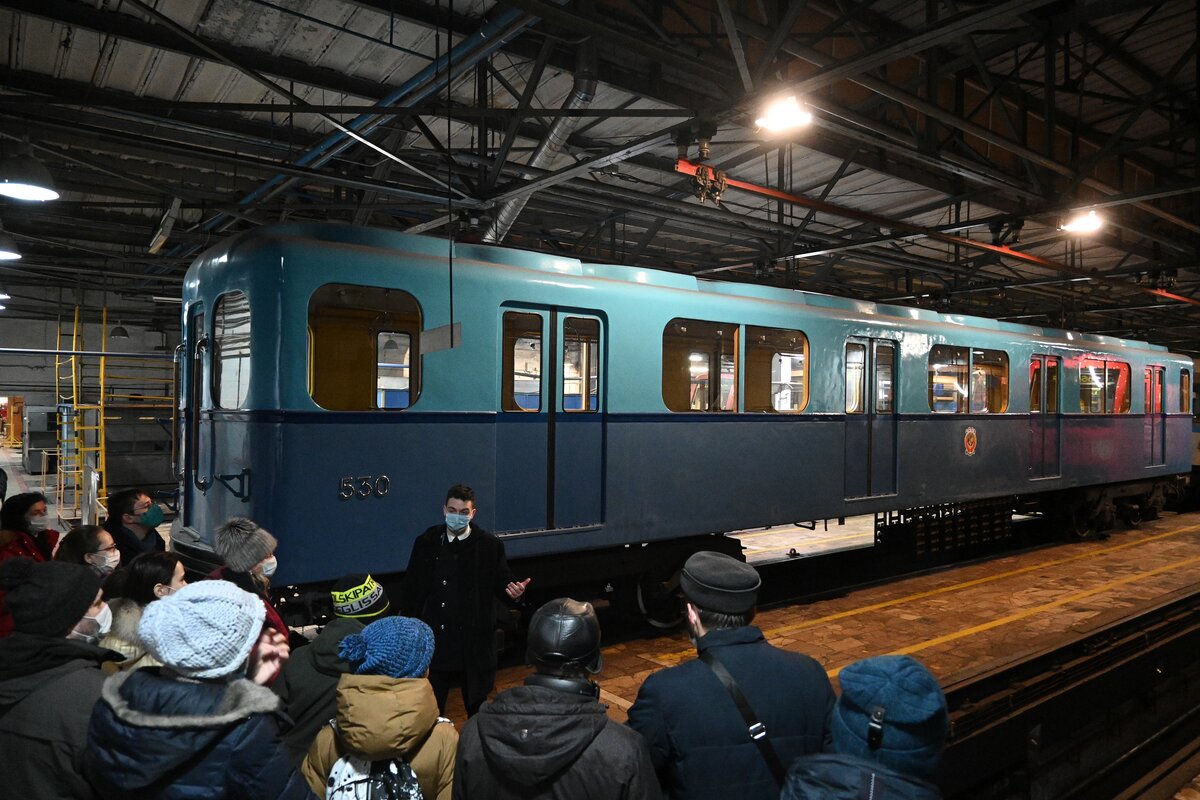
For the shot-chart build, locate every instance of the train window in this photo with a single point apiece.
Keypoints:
(1103, 386)
(949, 367)
(1051, 385)
(363, 343)
(989, 381)
(1185, 391)
(522, 389)
(856, 378)
(693, 351)
(581, 364)
(1035, 384)
(393, 379)
(776, 369)
(231, 350)
(885, 367)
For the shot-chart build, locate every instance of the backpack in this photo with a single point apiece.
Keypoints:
(354, 778)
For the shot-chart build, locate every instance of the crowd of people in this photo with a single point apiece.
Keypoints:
(119, 678)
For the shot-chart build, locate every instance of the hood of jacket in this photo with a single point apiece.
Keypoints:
(381, 717)
(28, 661)
(529, 734)
(150, 723)
(836, 777)
(324, 648)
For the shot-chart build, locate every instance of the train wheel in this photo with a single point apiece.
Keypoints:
(1131, 515)
(1078, 522)
(659, 602)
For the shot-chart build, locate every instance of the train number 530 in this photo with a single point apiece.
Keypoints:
(364, 487)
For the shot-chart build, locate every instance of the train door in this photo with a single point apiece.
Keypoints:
(1156, 419)
(870, 466)
(1045, 421)
(550, 430)
(196, 458)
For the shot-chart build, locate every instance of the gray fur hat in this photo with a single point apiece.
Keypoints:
(241, 543)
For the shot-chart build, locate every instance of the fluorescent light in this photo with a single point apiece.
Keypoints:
(1089, 222)
(783, 114)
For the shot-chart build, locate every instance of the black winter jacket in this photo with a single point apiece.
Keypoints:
(308, 684)
(154, 736)
(488, 576)
(838, 777)
(697, 738)
(48, 687)
(533, 742)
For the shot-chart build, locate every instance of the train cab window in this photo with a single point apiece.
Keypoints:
(856, 378)
(522, 379)
(363, 343)
(1103, 386)
(989, 382)
(1185, 391)
(581, 365)
(776, 370)
(885, 373)
(949, 367)
(231, 350)
(700, 365)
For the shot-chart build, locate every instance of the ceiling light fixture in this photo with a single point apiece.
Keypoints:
(5, 296)
(8, 247)
(118, 332)
(1083, 222)
(783, 114)
(23, 177)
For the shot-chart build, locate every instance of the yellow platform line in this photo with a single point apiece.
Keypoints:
(1029, 612)
(798, 626)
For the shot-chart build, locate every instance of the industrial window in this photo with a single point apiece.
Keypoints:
(699, 370)
(856, 378)
(363, 343)
(231, 350)
(963, 379)
(1185, 391)
(522, 378)
(989, 381)
(581, 365)
(776, 370)
(1103, 386)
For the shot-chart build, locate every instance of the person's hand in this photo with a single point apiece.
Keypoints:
(516, 589)
(268, 656)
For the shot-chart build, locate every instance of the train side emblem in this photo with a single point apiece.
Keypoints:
(970, 441)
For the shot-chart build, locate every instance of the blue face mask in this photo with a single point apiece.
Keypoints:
(457, 522)
(152, 517)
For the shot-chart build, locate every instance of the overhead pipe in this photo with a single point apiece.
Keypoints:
(490, 37)
(581, 96)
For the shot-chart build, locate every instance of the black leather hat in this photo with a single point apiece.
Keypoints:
(717, 582)
(564, 632)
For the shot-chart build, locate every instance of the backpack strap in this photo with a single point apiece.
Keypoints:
(757, 730)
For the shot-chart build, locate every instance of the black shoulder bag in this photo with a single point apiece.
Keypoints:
(757, 731)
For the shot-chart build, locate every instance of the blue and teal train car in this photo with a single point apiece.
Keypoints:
(336, 380)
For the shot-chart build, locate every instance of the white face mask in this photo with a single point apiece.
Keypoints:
(93, 629)
(105, 563)
(37, 524)
(269, 566)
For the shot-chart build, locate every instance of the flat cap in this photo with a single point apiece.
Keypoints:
(717, 582)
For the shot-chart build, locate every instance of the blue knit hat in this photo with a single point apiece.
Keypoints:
(204, 630)
(399, 647)
(892, 710)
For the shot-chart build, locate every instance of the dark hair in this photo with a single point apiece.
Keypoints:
(12, 513)
(79, 542)
(123, 502)
(460, 491)
(717, 620)
(144, 573)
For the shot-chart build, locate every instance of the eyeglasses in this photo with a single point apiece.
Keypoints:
(108, 549)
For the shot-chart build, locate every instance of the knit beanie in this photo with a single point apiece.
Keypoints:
(892, 711)
(47, 598)
(399, 647)
(204, 630)
(359, 596)
(242, 544)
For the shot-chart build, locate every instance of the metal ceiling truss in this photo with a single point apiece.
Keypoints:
(940, 138)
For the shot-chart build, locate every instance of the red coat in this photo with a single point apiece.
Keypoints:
(21, 546)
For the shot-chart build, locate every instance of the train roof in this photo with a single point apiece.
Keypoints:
(435, 247)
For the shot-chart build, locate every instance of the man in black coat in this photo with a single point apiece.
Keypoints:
(699, 742)
(551, 738)
(455, 574)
